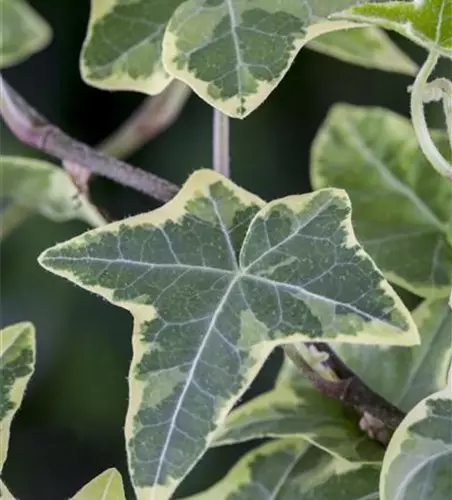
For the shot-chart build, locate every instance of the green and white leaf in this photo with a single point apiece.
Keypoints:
(410, 374)
(427, 23)
(106, 486)
(401, 208)
(23, 32)
(17, 361)
(123, 46)
(418, 461)
(294, 408)
(5, 494)
(33, 186)
(233, 53)
(368, 46)
(290, 469)
(214, 280)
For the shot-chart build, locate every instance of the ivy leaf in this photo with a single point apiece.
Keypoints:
(427, 23)
(123, 46)
(23, 32)
(17, 360)
(30, 186)
(5, 494)
(233, 53)
(401, 206)
(290, 468)
(296, 409)
(214, 280)
(418, 460)
(369, 46)
(410, 374)
(106, 486)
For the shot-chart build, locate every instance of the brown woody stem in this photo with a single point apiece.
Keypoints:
(33, 129)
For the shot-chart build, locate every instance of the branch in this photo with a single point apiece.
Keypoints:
(33, 129)
(351, 391)
(154, 116)
(221, 143)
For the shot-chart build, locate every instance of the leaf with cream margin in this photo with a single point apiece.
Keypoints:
(106, 486)
(123, 46)
(401, 207)
(33, 186)
(418, 461)
(290, 469)
(5, 494)
(17, 361)
(296, 409)
(233, 53)
(427, 23)
(215, 279)
(23, 32)
(369, 47)
(410, 374)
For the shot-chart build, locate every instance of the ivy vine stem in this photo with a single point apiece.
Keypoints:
(33, 129)
(221, 157)
(419, 121)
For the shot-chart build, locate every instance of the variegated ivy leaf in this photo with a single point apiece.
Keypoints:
(233, 53)
(426, 22)
(123, 46)
(17, 360)
(418, 461)
(410, 374)
(289, 469)
(33, 186)
(369, 46)
(401, 208)
(106, 486)
(215, 279)
(294, 408)
(23, 32)
(5, 494)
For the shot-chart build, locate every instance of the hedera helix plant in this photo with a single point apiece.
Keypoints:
(216, 278)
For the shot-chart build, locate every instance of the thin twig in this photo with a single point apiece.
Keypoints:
(221, 143)
(351, 391)
(33, 129)
(154, 116)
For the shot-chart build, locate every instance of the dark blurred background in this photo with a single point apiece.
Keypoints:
(70, 427)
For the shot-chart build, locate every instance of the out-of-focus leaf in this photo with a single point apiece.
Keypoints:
(401, 207)
(410, 374)
(17, 361)
(418, 461)
(369, 46)
(289, 469)
(106, 486)
(23, 32)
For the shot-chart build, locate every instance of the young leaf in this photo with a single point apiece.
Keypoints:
(369, 46)
(17, 360)
(106, 486)
(5, 494)
(23, 32)
(233, 53)
(30, 186)
(123, 46)
(401, 208)
(426, 22)
(410, 374)
(418, 461)
(294, 408)
(214, 281)
(290, 469)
